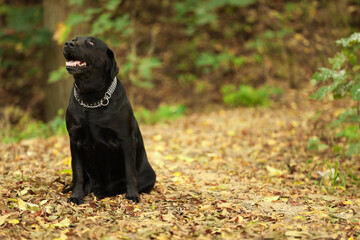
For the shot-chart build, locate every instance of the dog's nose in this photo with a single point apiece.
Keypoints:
(70, 44)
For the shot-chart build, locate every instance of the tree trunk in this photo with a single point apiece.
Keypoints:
(57, 94)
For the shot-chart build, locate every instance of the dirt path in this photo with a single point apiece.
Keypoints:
(239, 173)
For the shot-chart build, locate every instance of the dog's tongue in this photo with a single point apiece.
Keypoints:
(75, 63)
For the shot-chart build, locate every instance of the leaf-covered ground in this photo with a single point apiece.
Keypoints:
(235, 173)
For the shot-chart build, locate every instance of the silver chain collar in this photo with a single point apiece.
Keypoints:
(102, 102)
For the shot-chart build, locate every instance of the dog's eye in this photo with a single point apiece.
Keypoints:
(91, 43)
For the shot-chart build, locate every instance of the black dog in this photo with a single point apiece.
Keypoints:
(107, 149)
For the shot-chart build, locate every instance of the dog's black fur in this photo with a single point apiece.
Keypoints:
(107, 149)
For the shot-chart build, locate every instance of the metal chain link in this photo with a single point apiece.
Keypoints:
(102, 102)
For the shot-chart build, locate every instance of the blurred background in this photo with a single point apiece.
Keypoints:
(174, 55)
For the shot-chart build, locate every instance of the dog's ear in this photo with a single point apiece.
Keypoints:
(111, 68)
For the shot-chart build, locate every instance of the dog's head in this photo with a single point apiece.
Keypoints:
(91, 62)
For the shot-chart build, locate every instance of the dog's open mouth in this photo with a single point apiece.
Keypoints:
(76, 66)
(73, 63)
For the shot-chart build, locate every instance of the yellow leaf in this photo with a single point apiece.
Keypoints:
(168, 217)
(64, 223)
(177, 174)
(338, 112)
(19, 47)
(61, 32)
(67, 161)
(271, 198)
(60, 29)
(299, 218)
(340, 187)
(13, 221)
(3, 218)
(186, 158)
(204, 208)
(169, 157)
(225, 205)
(294, 124)
(231, 133)
(159, 148)
(271, 142)
(237, 219)
(22, 204)
(23, 192)
(273, 171)
(35, 226)
(162, 237)
(225, 212)
(346, 202)
(157, 137)
(205, 143)
(60, 238)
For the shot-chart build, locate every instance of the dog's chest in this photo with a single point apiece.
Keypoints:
(95, 132)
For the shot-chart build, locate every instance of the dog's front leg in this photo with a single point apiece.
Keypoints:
(78, 194)
(132, 192)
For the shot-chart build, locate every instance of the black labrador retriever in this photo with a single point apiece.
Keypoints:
(107, 149)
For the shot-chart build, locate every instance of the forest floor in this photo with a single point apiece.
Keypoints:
(239, 173)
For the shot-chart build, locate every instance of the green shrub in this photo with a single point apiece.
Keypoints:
(163, 113)
(210, 62)
(200, 12)
(342, 80)
(248, 96)
(314, 144)
(27, 128)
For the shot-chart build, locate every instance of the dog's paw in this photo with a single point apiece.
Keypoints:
(133, 197)
(75, 200)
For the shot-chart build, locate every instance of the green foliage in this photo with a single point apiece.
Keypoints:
(28, 127)
(163, 113)
(139, 70)
(186, 78)
(21, 39)
(199, 43)
(57, 75)
(342, 80)
(334, 177)
(23, 26)
(21, 34)
(104, 21)
(314, 144)
(195, 13)
(210, 62)
(351, 41)
(248, 96)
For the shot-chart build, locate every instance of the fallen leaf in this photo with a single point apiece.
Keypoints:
(271, 198)
(4, 217)
(273, 171)
(64, 223)
(13, 221)
(22, 204)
